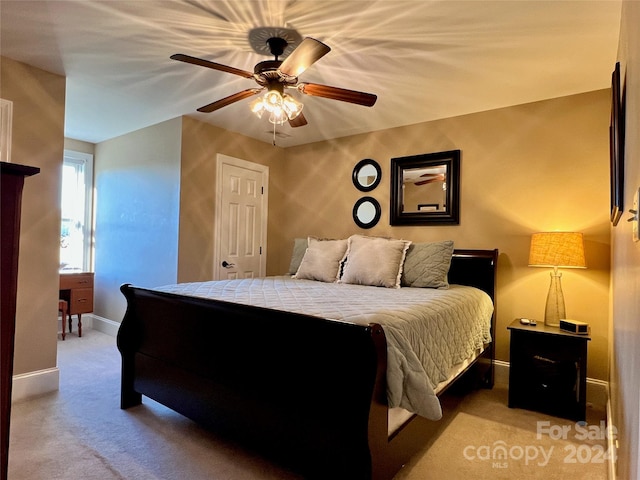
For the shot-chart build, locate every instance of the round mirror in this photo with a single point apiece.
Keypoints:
(366, 212)
(366, 175)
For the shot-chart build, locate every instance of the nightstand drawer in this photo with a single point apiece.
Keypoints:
(81, 300)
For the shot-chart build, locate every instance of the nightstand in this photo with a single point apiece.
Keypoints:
(548, 370)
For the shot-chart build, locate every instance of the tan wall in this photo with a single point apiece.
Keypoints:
(535, 167)
(79, 146)
(201, 143)
(37, 140)
(625, 341)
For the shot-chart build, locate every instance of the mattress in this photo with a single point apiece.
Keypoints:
(428, 331)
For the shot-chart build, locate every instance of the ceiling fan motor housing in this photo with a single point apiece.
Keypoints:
(266, 66)
(277, 46)
(266, 74)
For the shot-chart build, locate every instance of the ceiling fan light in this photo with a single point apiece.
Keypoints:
(291, 106)
(272, 100)
(257, 107)
(280, 106)
(278, 117)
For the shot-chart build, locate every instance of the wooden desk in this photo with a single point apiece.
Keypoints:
(77, 290)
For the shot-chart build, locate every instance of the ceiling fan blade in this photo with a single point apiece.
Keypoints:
(437, 178)
(206, 63)
(306, 54)
(335, 93)
(299, 121)
(236, 97)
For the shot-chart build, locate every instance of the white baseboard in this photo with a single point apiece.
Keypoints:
(44, 381)
(95, 322)
(612, 444)
(87, 323)
(35, 383)
(597, 390)
(597, 393)
(104, 325)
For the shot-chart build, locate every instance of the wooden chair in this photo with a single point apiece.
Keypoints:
(63, 307)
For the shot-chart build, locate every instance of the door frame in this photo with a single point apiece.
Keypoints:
(221, 160)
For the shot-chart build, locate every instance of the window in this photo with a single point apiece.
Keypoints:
(76, 201)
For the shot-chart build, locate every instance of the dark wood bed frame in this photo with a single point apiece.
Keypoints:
(309, 393)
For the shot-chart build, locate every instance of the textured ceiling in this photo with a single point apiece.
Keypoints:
(424, 59)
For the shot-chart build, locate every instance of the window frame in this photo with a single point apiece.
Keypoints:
(85, 159)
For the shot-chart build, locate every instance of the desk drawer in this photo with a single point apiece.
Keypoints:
(70, 281)
(81, 300)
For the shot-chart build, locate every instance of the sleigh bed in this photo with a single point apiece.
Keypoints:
(307, 391)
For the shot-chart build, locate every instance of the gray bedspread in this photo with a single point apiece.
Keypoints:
(428, 330)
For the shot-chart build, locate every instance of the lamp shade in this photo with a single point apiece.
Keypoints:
(557, 249)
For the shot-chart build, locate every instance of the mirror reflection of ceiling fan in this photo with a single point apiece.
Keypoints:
(423, 176)
(430, 178)
(274, 77)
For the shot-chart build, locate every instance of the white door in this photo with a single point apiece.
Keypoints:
(241, 219)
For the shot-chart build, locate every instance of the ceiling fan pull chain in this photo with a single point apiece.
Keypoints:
(274, 134)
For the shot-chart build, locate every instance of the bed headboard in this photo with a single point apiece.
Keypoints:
(476, 268)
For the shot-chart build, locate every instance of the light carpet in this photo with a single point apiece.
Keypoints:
(479, 449)
(80, 432)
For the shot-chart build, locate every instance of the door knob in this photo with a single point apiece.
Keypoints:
(226, 264)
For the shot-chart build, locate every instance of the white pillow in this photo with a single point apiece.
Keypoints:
(322, 260)
(374, 261)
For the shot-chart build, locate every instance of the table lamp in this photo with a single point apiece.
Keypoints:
(557, 250)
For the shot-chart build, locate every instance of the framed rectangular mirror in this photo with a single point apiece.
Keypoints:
(425, 189)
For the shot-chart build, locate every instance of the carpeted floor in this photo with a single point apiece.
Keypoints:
(478, 448)
(80, 432)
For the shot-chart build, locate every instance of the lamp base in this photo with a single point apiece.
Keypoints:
(555, 301)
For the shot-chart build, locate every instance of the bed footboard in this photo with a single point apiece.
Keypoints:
(296, 387)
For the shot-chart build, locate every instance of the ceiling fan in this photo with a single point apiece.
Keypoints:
(430, 178)
(274, 76)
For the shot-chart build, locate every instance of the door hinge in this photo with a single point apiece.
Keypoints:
(261, 250)
(261, 190)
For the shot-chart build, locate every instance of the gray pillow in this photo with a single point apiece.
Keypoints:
(322, 260)
(299, 247)
(427, 265)
(374, 261)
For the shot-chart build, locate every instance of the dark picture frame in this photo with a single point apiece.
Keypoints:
(361, 166)
(616, 147)
(450, 213)
(360, 217)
